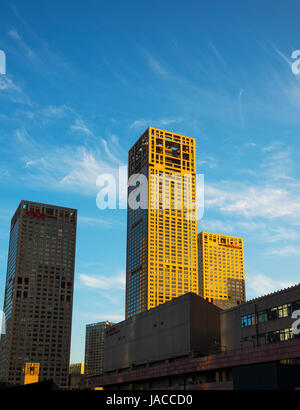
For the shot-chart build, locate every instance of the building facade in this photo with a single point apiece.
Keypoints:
(76, 375)
(261, 321)
(183, 327)
(221, 269)
(162, 231)
(94, 347)
(39, 292)
(76, 369)
(259, 348)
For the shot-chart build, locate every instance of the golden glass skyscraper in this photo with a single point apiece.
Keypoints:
(221, 269)
(162, 236)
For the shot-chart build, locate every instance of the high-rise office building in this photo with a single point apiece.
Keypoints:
(221, 269)
(39, 292)
(161, 236)
(94, 347)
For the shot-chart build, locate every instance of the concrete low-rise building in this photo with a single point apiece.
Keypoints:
(189, 343)
(182, 327)
(260, 321)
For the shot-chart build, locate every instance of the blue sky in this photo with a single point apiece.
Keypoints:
(85, 79)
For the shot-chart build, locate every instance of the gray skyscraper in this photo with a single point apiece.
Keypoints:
(39, 292)
(94, 347)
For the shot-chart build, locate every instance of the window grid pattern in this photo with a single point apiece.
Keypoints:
(270, 314)
(42, 289)
(162, 242)
(221, 269)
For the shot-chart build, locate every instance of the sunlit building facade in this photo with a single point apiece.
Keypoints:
(39, 294)
(161, 236)
(221, 269)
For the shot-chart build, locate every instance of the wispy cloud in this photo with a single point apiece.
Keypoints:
(217, 54)
(281, 54)
(259, 285)
(253, 201)
(155, 66)
(99, 221)
(26, 50)
(163, 122)
(83, 170)
(208, 161)
(101, 317)
(81, 126)
(74, 166)
(141, 123)
(69, 168)
(45, 114)
(214, 225)
(283, 251)
(241, 93)
(281, 234)
(277, 165)
(12, 91)
(109, 152)
(39, 55)
(251, 144)
(103, 282)
(250, 226)
(275, 193)
(4, 173)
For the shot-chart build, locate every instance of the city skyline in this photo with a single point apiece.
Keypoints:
(77, 96)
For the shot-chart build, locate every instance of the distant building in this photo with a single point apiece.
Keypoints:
(189, 343)
(76, 368)
(161, 234)
(76, 375)
(94, 347)
(221, 269)
(39, 293)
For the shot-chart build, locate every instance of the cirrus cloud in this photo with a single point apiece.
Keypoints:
(260, 285)
(103, 282)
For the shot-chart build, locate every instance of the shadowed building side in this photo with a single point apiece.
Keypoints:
(94, 347)
(182, 327)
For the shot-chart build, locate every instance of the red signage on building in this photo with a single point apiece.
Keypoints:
(35, 214)
(233, 246)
